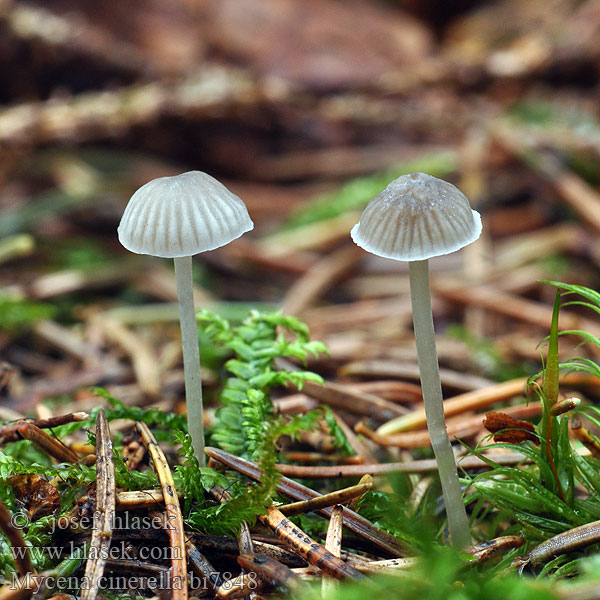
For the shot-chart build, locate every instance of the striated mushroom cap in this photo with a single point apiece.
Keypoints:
(417, 217)
(182, 216)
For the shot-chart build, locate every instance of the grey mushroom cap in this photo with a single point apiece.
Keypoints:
(181, 216)
(417, 217)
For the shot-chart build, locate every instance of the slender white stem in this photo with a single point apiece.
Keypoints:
(431, 386)
(191, 354)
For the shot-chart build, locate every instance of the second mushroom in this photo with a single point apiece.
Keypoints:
(415, 218)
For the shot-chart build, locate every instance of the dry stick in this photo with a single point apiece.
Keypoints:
(46, 443)
(474, 400)
(582, 198)
(362, 313)
(466, 427)
(390, 368)
(15, 539)
(391, 565)
(567, 541)
(69, 281)
(270, 568)
(319, 278)
(513, 306)
(585, 437)
(338, 497)
(94, 114)
(141, 353)
(9, 433)
(333, 541)
(72, 34)
(199, 563)
(522, 249)
(243, 536)
(138, 499)
(314, 457)
(341, 396)
(242, 586)
(461, 403)
(295, 263)
(485, 551)
(357, 445)
(104, 514)
(279, 553)
(353, 521)
(309, 237)
(230, 546)
(418, 493)
(413, 466)
(398, 392)
(66, 341)
(293, 537)
(179, 588)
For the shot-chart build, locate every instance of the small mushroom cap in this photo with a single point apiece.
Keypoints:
(417, 217)
(182, 216)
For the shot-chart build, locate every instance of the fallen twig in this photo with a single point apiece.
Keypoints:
(338, 497)
(352, 520)
(174, 518)
(105, 511)
(293, 537)
(46, 443)
(15, 538)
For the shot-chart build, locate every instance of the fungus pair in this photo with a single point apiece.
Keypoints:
(417, 217)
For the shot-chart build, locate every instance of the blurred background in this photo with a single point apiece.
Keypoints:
(306, 110)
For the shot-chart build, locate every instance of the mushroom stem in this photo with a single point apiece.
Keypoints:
(431, 386)
(191, 354)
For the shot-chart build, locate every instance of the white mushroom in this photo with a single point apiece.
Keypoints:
(177, 217)
(415, 218)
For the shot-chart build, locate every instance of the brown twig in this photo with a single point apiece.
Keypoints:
(355, 442)
(413, 466)
(382, 368)
(174, 518)
(293, 537)
(9, 433)
(318, 278)
(16, 540)
(390, 565)
(585, 437)
(46, 443)
(143, 356)
(459, 428)
(510, 305)
(341, 396)
(353, 521)
(486, 551)
(333, 540)
(333, 498)
(270, 568)
(199, 562)
(314, 457)
(567, 541)
(399, 392)
(93, 114)
(477, 399)
(104, 513)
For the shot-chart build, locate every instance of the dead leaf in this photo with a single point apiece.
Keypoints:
(507, 429)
